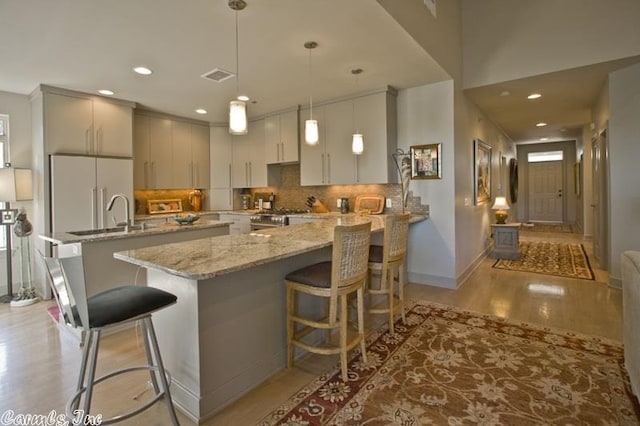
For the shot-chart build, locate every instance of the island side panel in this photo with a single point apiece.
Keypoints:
(241, 332)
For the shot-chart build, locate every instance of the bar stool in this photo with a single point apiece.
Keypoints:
(334, 280)
(385, 261)
(94, 314)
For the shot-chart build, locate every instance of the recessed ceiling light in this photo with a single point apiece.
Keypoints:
(534, 96)
(201, 111)
(243, 98)
(544, 139)
(106, 92)
(143, 70)
(541, 124)
(505, 93)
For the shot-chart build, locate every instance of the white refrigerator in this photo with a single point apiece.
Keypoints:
(81, 188)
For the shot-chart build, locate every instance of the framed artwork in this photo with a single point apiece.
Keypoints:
(164, 206)
(426, 161)
(482, 172)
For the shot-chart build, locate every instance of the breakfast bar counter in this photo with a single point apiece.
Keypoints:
(226, 334)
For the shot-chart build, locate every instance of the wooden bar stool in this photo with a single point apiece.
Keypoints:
(387, 260)
(92, 315)
(334, 280)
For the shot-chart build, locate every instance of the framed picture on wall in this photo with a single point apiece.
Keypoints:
(482, 172)
(426, 161)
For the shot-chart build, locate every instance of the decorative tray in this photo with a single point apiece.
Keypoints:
(164, 206)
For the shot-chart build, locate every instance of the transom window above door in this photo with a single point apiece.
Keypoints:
(538, 157)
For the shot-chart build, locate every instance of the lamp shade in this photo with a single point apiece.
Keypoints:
(357, 145)
(237, 117)
(15, 184)
(500, 204)
(311, 132)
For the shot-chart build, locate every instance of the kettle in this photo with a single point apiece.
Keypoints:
(195, 199)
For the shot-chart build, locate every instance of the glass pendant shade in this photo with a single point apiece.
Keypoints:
(237, 118)
(311, 132)
(357, 145)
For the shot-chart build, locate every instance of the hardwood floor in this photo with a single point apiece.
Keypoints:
(39, 366)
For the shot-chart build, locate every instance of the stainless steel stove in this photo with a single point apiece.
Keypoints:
(272, 218)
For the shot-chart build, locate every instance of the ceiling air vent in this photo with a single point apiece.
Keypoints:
(218, 75)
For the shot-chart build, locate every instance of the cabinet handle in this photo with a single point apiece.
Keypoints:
(328, 168)
(98, 140)
(94, 219)
(250, 173)
(357, 171)
(102, 207)
(322, 155)
(230, 183)
(153, 173)
(87, 140)
(246, 173)
(278, 152)
(145, 173)
(282, 145)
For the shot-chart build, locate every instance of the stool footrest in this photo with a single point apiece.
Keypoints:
(158, 396)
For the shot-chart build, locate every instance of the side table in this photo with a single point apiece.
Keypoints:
(506, 240)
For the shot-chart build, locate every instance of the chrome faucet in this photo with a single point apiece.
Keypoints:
(128, 222)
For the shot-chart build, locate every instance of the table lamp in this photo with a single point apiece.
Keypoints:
(15, 185)
(501, 207)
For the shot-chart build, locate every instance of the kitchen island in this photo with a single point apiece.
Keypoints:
(226, 334)
(102, 271)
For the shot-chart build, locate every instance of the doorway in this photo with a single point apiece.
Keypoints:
(599, 162)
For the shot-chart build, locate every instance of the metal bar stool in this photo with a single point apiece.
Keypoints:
(334, 280)
(92, 315)
(387, 260)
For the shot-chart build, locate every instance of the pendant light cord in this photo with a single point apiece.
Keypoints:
(310, 89)
(237, 60)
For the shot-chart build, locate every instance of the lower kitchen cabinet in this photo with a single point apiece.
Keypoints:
(240, 224)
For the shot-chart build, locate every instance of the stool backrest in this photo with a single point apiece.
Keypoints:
(350, 254)
(66, 277)
(396, 231)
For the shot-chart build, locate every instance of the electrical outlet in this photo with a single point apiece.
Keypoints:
(338, 203)
(389, 203)
(467, 201)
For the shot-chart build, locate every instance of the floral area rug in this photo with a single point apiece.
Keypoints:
(562, 259)
(545, 227)
(452, 367)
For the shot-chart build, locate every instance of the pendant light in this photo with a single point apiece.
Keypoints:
(238, 107)
(311, 136)
(357, 143)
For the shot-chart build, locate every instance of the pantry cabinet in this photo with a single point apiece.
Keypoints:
(221, 192)
(331, 161)
(249, 166)
(281, 138)
(76, 123)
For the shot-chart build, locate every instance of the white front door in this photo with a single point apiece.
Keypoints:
(546, 191)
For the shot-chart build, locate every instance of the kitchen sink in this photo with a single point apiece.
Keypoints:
(109, 230)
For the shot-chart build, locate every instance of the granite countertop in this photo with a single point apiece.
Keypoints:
(170, 216)
(208, 257)
(150, 229)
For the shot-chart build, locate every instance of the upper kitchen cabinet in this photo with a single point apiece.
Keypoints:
(249, 166)
(331, 161)
(76, 123)
(190, 147)
(281, 138)
(152, 152)
(170, 153)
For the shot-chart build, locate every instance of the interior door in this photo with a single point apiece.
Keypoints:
(546, 191)
(599, 197)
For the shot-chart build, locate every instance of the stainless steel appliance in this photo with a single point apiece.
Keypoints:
(264, 200)
(273, 219)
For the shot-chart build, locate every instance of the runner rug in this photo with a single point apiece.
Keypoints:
(544, 227)
(562, 259)
(449, 366)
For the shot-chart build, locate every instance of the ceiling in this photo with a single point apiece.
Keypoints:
(87, 45)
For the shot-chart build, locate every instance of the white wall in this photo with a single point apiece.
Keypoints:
(507, 40)
(19, 110)
(624, 154)
(425, 116)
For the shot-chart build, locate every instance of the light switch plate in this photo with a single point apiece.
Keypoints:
(389, 203)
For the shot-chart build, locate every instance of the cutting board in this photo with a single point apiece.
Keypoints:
(374, 203)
